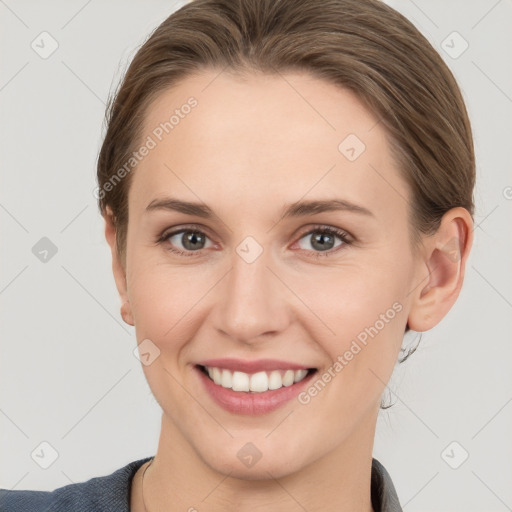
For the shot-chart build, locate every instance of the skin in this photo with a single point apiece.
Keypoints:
(251, 146)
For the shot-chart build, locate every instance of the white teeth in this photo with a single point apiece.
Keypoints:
(257, 382)
(217, 375)
(288, 378)
(275, 381)
(299, 375)
(226, 379)
(240, 381)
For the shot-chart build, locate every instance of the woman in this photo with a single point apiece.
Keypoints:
(287, 190)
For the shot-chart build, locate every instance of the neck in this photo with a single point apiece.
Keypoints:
(178, 479)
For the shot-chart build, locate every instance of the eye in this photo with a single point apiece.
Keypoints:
(323, 239)
(192, 240)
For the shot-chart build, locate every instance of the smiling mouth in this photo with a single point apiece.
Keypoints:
(259, 382)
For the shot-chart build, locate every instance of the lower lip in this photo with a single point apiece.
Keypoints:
(244, 402)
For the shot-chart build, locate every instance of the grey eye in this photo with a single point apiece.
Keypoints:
(190, 240)
(321, 240)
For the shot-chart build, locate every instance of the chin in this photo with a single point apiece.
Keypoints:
(262, 470)
(250, 463)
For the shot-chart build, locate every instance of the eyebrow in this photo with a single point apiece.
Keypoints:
(297, 209)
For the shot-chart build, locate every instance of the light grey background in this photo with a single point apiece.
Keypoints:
(68, 375)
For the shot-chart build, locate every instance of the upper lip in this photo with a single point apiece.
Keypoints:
(254, 366)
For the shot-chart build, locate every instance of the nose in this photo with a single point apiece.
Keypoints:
(252, 304)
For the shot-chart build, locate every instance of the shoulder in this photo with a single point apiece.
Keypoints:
(98, 494)
(384, 496)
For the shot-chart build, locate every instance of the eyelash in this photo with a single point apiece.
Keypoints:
(342, 235)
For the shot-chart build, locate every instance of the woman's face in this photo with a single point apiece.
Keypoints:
(260, 287)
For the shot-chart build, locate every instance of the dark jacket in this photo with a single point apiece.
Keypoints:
(111, 493)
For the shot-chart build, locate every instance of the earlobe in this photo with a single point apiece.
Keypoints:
(117, 268)
(442, 269)
(126, 313)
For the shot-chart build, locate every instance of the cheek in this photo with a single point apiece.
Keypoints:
(162, 301)
(160, 294)
(155, 305)
(360, 318)
(347, 300)
(168, 305)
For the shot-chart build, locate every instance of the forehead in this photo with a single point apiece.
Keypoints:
(287, 106)
(263, 136)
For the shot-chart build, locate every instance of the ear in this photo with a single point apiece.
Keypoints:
(442, 268)
(117, 268)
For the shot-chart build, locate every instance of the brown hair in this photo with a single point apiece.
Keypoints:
(362, 45)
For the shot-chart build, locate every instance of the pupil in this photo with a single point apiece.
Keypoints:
(191, 239)
(322, 245)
